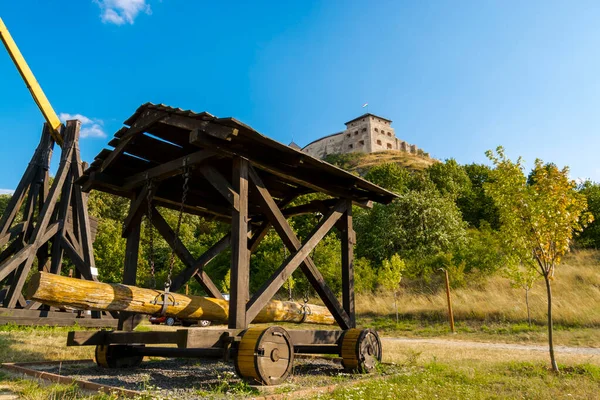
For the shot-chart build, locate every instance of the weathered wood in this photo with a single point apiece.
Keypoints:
(290, 240)
(198, 265)
(132, 247)
(169, 169)
(86, 338)
(348, 240)
(240, 256)
(270, 288)
(137, 209)
(221, 184)
(183, 253)
(140, 125)
(56, 290)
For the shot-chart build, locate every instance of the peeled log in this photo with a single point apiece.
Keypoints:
(61, 291)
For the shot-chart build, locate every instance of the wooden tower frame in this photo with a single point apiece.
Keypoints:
(243, 178)
(46, 222)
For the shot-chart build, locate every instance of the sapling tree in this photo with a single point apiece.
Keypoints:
(538, 216)
(390, 275)
(522, 277)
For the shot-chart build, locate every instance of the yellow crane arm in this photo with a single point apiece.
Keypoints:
(36, 91)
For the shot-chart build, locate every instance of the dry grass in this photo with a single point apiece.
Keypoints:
(576, 299)
(403, 159)
(406, 352)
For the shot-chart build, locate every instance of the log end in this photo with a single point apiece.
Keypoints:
(34, 284)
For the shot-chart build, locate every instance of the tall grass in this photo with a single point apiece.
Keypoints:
(576, 298)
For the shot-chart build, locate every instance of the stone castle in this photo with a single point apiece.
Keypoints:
(368, 133)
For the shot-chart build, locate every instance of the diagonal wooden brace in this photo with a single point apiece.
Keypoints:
(300, 258)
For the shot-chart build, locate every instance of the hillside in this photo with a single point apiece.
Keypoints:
(361, 162)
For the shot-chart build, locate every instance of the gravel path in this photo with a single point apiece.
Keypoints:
(498, 346)
(186, 379)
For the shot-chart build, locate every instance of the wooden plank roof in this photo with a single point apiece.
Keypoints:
(163, 136)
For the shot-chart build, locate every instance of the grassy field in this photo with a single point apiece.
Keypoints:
(488, 312)
(493, 310)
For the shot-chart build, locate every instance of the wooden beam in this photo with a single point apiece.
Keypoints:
(76, 259)
(291, 241)
(167, 170)
(44, 219)
(348, 241)
(200, 138)
(182, 252)
(200, 263)
(299, 255)
(139, 126)
(240, 256)
(221, 184)
(137, 209)
(132, 247)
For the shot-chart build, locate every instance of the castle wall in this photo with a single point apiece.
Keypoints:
(366, 134)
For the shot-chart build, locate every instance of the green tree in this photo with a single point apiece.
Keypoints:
(450, 179)
(590, 237)
(522, 277)
(417, 225)
(539, 217)
(390, 176)
(476, 206)
(390, 275)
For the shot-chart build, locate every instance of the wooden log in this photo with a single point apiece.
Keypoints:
(56, 290)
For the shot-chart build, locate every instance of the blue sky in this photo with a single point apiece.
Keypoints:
(456, 77)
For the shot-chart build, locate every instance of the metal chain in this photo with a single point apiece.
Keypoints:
(151, 232)
(186, 178)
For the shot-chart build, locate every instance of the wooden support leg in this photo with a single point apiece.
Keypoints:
(348, 240)
(240, 256)
(127, 320)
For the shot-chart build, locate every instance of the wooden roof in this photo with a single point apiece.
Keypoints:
(166, 137)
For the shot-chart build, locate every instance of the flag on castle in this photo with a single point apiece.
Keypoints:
(365, 105)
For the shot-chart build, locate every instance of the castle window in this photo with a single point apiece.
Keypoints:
(376, 130)
(362, 142)
(356, 132)
(390, 134)
(348, 135)
(389, 145)
(379, 142)
(350, 146)
(364, 129)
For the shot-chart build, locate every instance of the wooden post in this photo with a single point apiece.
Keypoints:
(450, 313)
(126, 319)
(348, 263)
(240, 256)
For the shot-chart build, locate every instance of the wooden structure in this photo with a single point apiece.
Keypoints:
(45, 223)
(59, 290)
(238, 176)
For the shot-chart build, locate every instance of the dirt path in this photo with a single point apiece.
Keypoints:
(498, 346)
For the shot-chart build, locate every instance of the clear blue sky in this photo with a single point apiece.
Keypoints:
(456, 77)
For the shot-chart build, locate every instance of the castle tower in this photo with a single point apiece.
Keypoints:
(368, 133)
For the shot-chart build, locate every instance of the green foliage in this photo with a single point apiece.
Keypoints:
(590, 237)
(450, 179)
(390, 176)
(390, 273)
(4, 199)
(365, 276)
(539, 216)
(482, 253)
(418, 225)
(476, 206)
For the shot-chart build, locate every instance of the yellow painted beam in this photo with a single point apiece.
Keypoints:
(36, 91)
